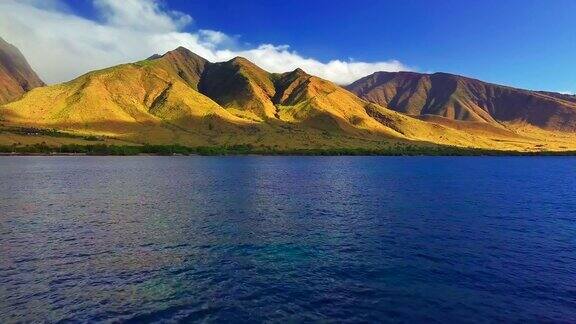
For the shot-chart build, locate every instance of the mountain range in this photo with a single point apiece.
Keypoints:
(180, 97)
(460, 98)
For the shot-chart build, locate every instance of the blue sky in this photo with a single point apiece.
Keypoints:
(528, 44)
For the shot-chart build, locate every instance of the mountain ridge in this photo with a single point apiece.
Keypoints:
(467, 99)
(179, 97)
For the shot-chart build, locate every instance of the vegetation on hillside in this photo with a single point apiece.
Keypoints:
(125, 150)
(182, 99)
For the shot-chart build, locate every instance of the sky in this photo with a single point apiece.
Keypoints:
(527, 44)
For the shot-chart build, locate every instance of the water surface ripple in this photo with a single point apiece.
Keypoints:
(245, 239)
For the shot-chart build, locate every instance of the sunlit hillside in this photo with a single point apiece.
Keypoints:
(181, 98)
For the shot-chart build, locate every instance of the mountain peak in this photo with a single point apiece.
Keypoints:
(180, 49)
(248, 68)
(153, 57)
(185, 53)
(185, 63)
(286, 78)
(239, 60)
(299, 71)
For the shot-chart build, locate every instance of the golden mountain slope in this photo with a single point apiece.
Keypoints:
(180, 97)
(322, 104)
(297, 98)
(142, 102)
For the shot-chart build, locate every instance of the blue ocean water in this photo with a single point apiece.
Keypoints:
(277, 239)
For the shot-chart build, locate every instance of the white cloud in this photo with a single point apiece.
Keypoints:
(281, 59)
(61, 45)
(568, 93)
(141, 15)
(214, 39)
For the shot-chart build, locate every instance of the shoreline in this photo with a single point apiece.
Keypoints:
(247, 149)
(280, 154)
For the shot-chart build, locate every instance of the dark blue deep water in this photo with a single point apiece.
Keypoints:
(316, 239)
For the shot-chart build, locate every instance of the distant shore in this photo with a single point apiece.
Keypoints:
(178, 150)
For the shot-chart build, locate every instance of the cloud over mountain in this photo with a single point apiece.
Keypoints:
(61, 45)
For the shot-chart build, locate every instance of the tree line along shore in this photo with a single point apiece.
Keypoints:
(167, 150)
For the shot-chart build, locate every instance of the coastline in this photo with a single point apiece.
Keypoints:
(248, 150)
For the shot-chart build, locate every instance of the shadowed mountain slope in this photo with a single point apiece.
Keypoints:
(460, 98)
(293, 97)
(184, 63)
(16, 75)
(240, 85)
